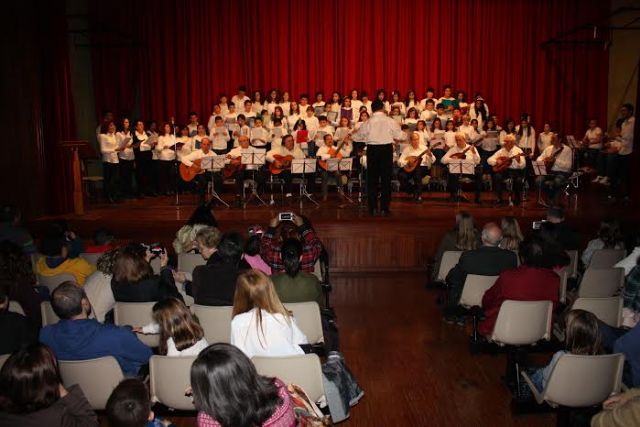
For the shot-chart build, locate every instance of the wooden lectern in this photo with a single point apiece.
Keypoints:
(87, 151)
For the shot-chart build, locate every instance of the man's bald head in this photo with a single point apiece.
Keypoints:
(491, 234)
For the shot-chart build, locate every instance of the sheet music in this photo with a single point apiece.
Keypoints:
(539, 168)
(318, 111)
(125, 142)
(464, 167)
(332, 116)
(303, 166)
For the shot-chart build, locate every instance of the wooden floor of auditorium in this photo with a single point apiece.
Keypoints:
(415, 369)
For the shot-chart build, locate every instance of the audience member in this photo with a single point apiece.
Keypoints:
(129, 405)
(98, 285)
(631, 297)
(76, 337)
(32, 394)
(133, 278)
(215, 282)
(16, 268)
(73, 241)
(16, 331)
(252, 250)
(278, 232)
(487, 260)
(627, 342)
(228, 392)
(179, 329)
(185, 240)
(609, 237)
(620, 410)
(566, 236)
(582, 337)
(294, 285)
(261, 325)
(57, 260)
(103, 242)
(11, 230)
(631, 260)
(533, 280)
(511, 234)
(463, 237)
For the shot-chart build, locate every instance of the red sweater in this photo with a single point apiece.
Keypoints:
(520, 284)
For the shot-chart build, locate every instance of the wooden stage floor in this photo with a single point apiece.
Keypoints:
(405, 241)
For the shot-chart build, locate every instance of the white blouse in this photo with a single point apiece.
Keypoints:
(127, 153)
(108, 145)
(163, 149)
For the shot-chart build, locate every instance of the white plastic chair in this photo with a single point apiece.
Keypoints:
(52, 282)
(155, 265)
(96, 377)
(15, 307)
(49, 317)
(606, 258)
(3, 359)
(169, 378)
(448, 261)
(601, 282)
(474, 288)
(188, 262)
(91, 258)
(303, 370)
(523, 322)
(564, 278)
(216, 322)
(136, 314)
(573, 264)
(307, 315)
(608, 310)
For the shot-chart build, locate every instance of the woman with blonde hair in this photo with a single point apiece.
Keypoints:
(463, 237)
(261, 325)
(511, 234)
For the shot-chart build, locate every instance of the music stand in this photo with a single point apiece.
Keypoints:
(341, 165)
(304, 167)
(253, 160)
(461, 167)
(214, 164)
(540, 170)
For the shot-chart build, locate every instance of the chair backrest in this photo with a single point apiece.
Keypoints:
(96, 377)
(136, 314)
(601, 282)
(155, 265)
(307, 315)
(474, 288)
(169, 378)
(448, 261)
(52, 282)
(91, 258)
(3, 358)
(523, 322)
(49, 317)
(15, 307)
(581, 381)
(564, 278)
(216, 322)
(304, 370)
(606, 258)
(608, 310)
(573, 263)
(34, 262)
(188, 262)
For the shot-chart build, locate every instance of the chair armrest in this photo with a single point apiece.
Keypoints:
(536, 394)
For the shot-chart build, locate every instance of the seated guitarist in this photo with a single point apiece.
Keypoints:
(328, 151)
(280, 160)
(243, 172)
(558, 159)
(410, 174)
(202, 176)
(508, 162)
(463, 151)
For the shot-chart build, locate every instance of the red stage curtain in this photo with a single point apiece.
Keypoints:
(190, 51)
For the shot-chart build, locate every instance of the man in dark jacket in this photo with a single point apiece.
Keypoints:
(76, 337)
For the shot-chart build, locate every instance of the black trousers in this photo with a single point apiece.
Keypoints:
(379, 169)
(412, 181)
(619, 168)
(145, 172)
(517, 177)
(110, 180)
(126, 177)
(454, 182)
(166, 176)
(242, 175)
(203, 179)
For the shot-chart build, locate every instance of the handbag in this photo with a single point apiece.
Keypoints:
(306, 412)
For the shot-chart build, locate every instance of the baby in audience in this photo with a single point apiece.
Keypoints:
(130, 406)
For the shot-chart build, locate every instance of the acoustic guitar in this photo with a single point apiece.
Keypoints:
(414, 161)
(551, 160)
(462, 155)
(503, 162)
(188, 173)
(235, 165)
(334, 152)
(280, 163)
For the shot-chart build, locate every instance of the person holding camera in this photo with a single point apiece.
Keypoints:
(134, 280)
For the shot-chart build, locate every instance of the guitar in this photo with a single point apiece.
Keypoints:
(235, 165)
(280, 163)
(503, 162)
(551, 160)
(188, 173)
(463, 154)
(334, 152)
(414, 161)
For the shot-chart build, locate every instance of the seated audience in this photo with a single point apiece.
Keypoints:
(294, 285)
(32, 394)
(227, 391)
(631, 260)
(487, 260)
(16, 330)
(511, 234)
(57, 260)
(186, 236)
(129, 405)
(567, 237)
(215, 282)
(631, 297)
(133, 279)
(252, 250)
(11, 230)
(299, 229)
(98, 286)
(620, 410)
(103, 242)
(582, 337)
(76, 337)
(533, 280)
(261, 325)
(179, 329)
(463, 237)
(16, 268)
(609, 237)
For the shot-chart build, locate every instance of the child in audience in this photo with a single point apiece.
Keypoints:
(252, 250)
(582, 337)
(103, 242)
(609, 237)
(129, 405)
